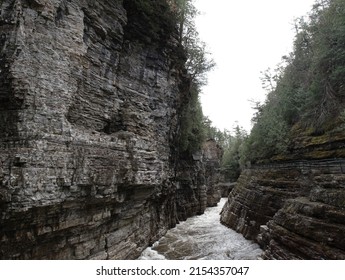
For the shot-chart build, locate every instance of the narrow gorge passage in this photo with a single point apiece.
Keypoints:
(203, 237)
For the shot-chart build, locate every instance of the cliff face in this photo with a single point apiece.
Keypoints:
(212, 154)
(88, 117)
(197, 181)
(295, 209)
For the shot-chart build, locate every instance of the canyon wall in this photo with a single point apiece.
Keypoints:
(295, 207)
(89, 114)
(212, 154)
(198, 181)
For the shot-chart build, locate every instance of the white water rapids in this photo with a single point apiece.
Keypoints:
(203, 238)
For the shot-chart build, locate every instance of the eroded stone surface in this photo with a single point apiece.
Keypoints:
(295, 210)
(212, 154)
(88, 118)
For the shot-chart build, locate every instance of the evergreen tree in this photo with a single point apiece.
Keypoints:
(198, 61)
(309, 91)
(192, 130)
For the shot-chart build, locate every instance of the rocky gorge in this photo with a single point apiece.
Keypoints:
(92, 95)
(90, 102)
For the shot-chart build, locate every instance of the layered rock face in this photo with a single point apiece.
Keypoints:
(212, 154)
(312, 226)
(198, 181)
(88, 118)
(295, 209)
(191, 197)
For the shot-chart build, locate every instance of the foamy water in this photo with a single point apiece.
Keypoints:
(203, 237)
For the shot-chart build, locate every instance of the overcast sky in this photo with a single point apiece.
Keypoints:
(245, 38)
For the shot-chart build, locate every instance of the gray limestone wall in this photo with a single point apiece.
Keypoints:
(294, 210)
(87, 121)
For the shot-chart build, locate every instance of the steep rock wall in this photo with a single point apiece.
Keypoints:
(197, 181)
(295, 209)
(88, 118)
(212, 154)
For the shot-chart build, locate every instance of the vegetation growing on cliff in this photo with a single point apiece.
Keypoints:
(307, 90)
(197, 64)
(191, 134)
(231, 143)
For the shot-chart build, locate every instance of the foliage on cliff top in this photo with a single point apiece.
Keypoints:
(231, 143)
(309, 85)
(197, 64)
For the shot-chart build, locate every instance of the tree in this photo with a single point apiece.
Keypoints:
(326, 92)
(231, 165)
(307, 90)
(197, 64)
(192, 132)
(198, 61)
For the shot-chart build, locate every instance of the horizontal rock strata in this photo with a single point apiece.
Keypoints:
(212, 154)
(295, 210)
(88, 116)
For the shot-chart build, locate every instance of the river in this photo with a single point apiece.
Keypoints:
(203, 238)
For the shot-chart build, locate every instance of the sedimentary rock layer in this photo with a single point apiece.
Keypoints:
(212, 154)
(295, 210)
(88, 118)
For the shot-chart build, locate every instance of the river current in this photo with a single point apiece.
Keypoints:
(203, 238)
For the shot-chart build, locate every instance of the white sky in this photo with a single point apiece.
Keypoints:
(245, 38)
